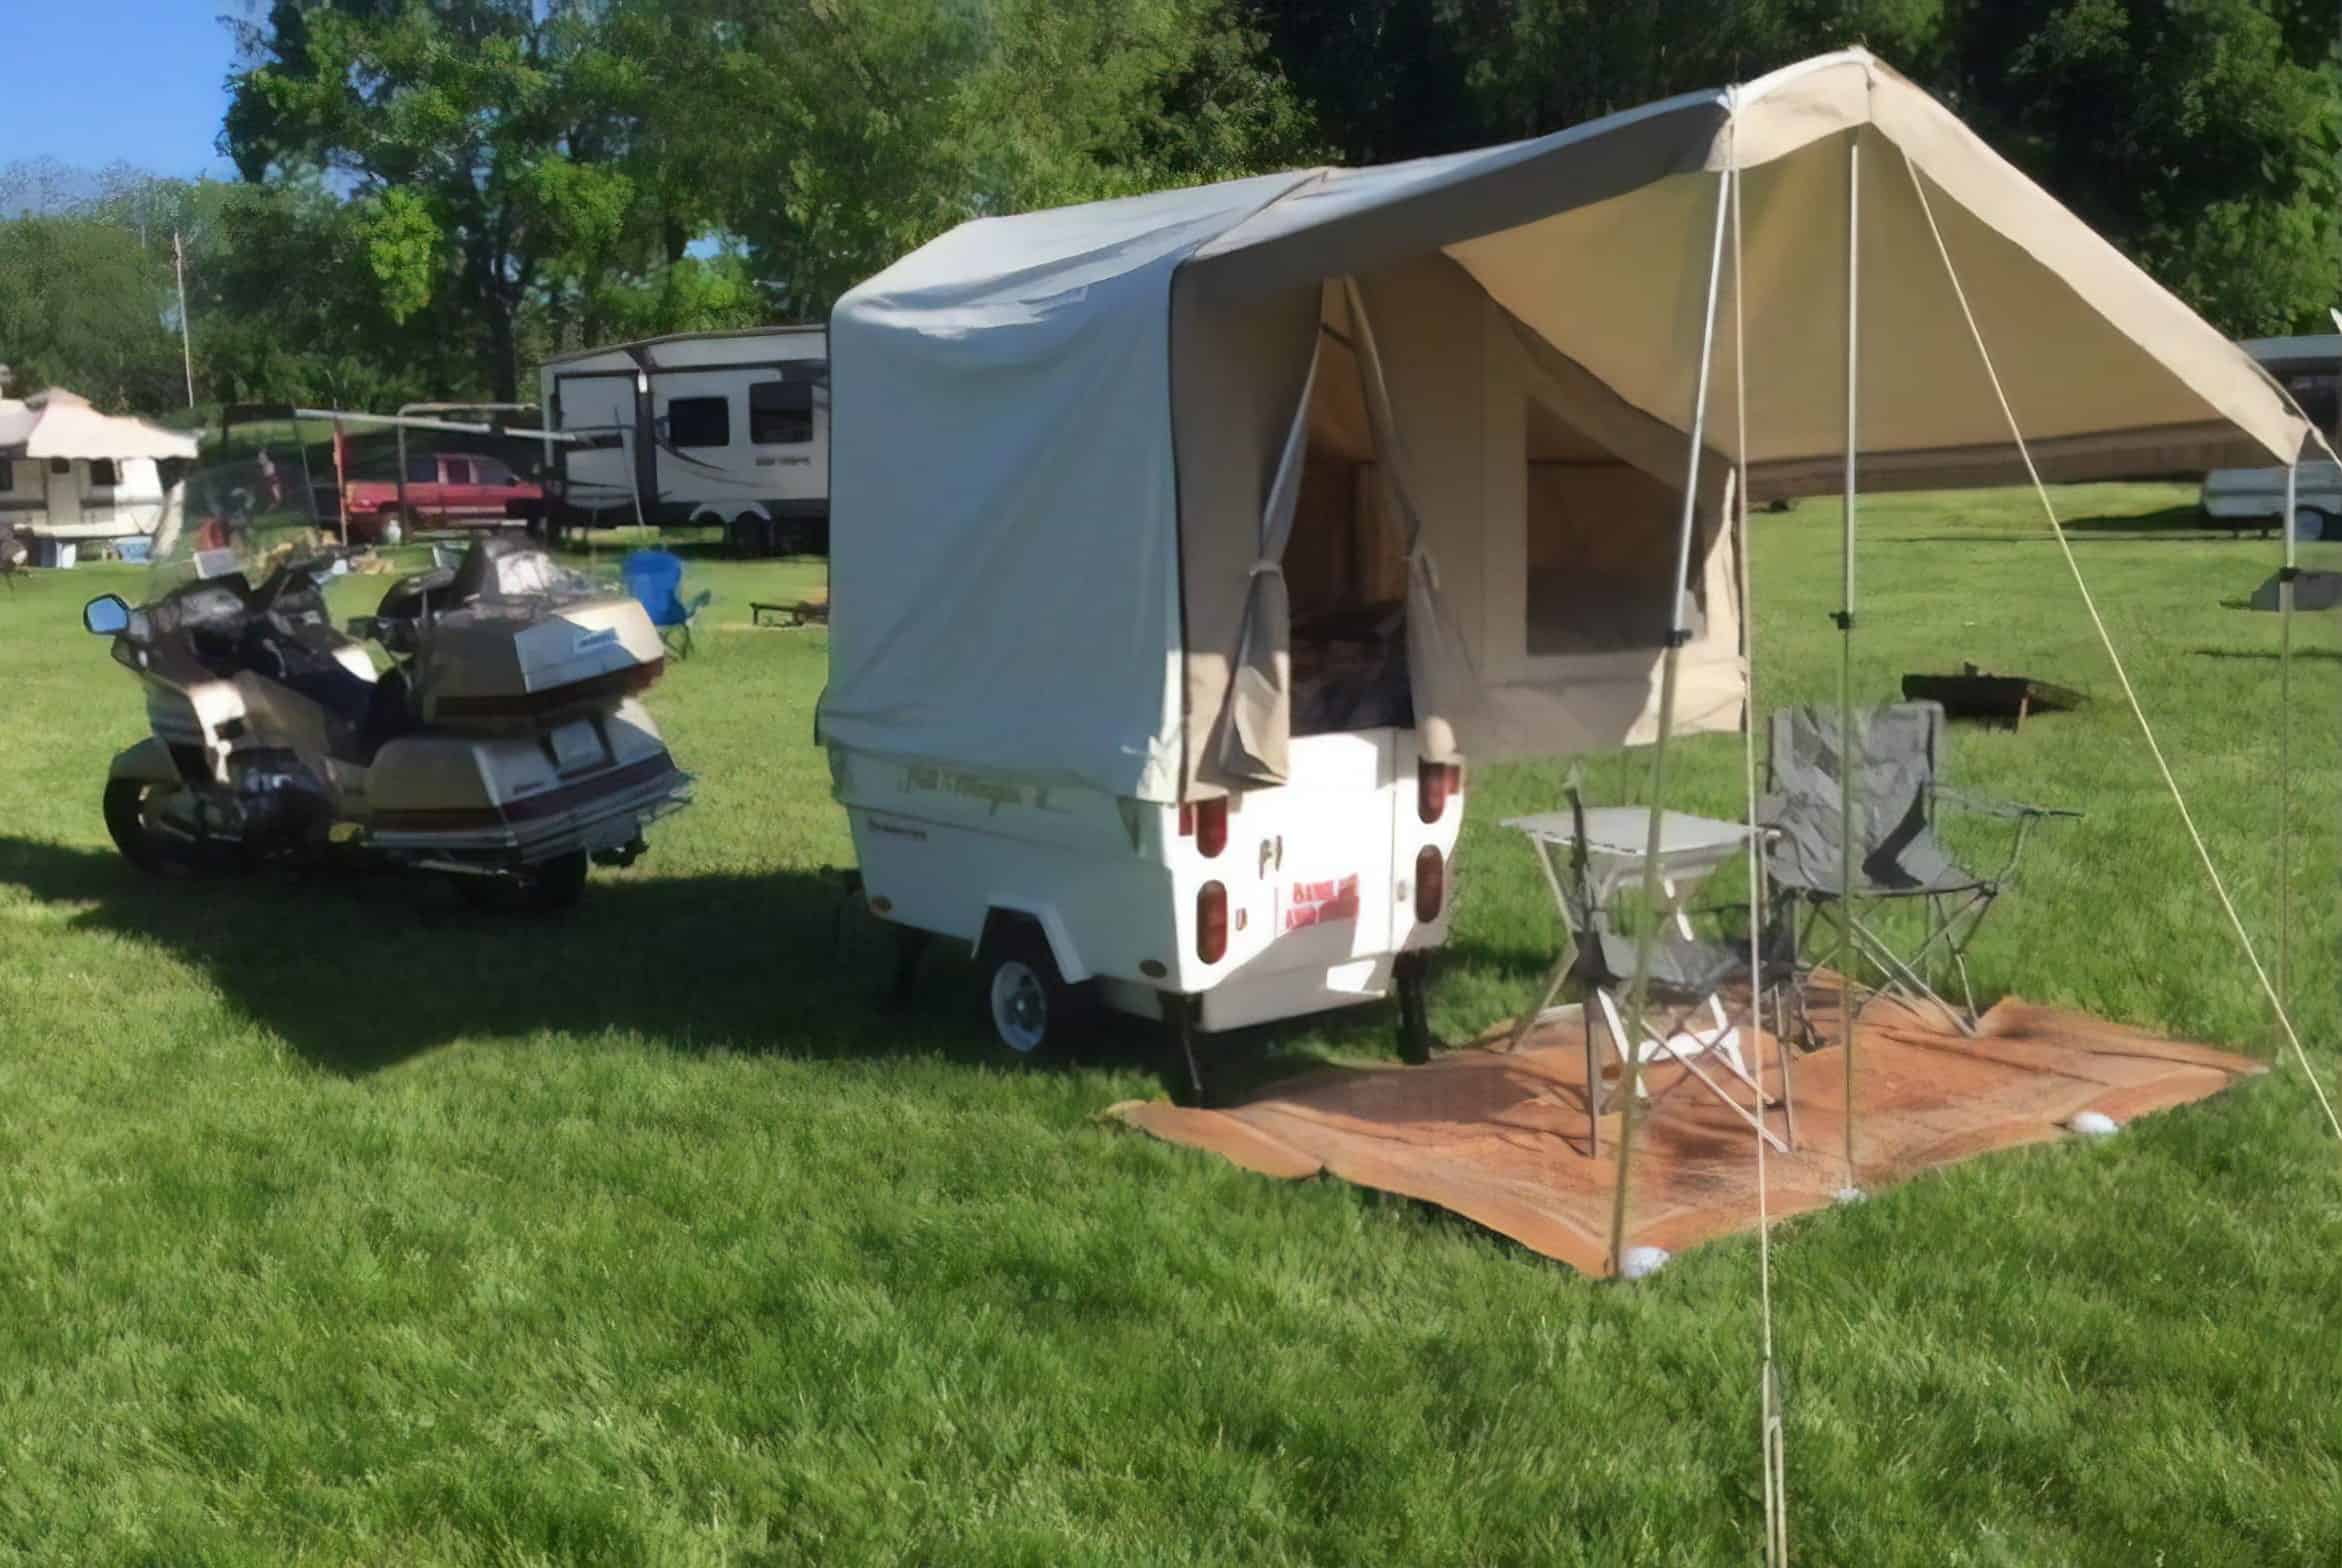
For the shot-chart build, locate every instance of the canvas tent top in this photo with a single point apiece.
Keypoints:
(61, 424)
(1060, 432)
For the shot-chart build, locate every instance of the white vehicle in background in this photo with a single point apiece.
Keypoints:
(724, 429)
(2310, 369)
(71, 476)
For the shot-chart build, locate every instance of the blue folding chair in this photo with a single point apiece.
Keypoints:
(655, 577)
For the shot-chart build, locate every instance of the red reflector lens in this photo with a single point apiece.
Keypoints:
(1430, 884)
(1435, 784)
(1211, 826)
(1211, 922)
(1187, 819)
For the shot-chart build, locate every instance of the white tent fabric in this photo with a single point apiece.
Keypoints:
(1058, 434)
(58, 423)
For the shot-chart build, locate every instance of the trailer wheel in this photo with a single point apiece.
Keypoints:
(1035, 1014)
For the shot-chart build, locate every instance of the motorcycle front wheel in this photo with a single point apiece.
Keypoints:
(152, 851)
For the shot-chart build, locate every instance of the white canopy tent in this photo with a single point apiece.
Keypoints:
(62, 424)
(1056, 474)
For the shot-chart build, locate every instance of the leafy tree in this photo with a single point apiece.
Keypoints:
(837, 136)
(85, 296)
(494, 149)
(2201, 138)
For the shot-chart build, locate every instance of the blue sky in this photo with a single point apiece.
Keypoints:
(93, 82)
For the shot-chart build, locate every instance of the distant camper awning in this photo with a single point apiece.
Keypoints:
(58, 423)
(1068, 443)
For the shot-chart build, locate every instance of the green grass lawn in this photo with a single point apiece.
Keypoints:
(340, 1225)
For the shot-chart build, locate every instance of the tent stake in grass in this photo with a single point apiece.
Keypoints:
(1678, 633)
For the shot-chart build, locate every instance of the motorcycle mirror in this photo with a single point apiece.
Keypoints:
(106, 615)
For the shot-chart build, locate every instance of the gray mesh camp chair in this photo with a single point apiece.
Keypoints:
(1684, 1019)
(1898, 857)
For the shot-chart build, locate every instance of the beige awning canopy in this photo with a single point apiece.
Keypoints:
(1073, 447)
(1595, 239)
(61, 424)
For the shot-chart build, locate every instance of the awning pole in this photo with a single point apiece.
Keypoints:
(1845, 619)
(1678, 633)
(2285, 581)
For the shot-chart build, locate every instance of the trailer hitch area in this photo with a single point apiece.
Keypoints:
(623, 855)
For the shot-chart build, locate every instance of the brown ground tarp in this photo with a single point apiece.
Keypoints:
(1500, 1137)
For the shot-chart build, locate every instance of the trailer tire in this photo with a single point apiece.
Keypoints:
(1035, 1014)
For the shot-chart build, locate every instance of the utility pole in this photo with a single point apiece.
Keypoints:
(186, 344)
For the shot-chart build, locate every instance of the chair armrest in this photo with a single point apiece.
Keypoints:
(1999, 808)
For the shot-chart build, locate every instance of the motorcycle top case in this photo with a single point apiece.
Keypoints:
(499, 662)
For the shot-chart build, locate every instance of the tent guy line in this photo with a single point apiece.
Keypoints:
(2122, 675)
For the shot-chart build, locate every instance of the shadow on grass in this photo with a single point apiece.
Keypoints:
(2173, 522)
(359, 973)
(2267, 654)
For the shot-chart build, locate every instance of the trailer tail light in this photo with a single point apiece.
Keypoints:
(1436, 783)
(1430, 884)
(1205, 821)
(1211, 922)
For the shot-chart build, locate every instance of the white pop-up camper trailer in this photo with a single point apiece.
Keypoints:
(70, 475)
(1189, 544)
(729, 429)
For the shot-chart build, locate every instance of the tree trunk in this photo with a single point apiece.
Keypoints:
(503, 351)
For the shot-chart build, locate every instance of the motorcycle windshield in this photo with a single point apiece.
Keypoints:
(247, 513)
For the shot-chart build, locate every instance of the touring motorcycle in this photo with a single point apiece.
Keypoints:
(501, 741)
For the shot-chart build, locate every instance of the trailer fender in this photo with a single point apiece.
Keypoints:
(1002, 912)
(149, 761)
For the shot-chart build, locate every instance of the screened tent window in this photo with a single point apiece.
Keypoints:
(1599, 541)
(780, 413)
(699, 421)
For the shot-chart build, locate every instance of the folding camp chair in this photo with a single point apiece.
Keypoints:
(655, 577)
(1684, 1018)
(14, 554)
(1898, 857)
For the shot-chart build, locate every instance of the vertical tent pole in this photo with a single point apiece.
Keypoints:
(1845, 619)
(2285, 580)
(1678, 633)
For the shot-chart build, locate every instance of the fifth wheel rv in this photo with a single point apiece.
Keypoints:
(713, 429)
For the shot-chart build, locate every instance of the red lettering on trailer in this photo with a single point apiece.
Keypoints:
(1320, 903)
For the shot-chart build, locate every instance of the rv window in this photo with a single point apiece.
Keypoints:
(699, 421)
(101, 473)
(780, 413)
(2320, 395)
(422, 469)
(7, 475)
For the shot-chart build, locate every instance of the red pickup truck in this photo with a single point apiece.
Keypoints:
(444, 490)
